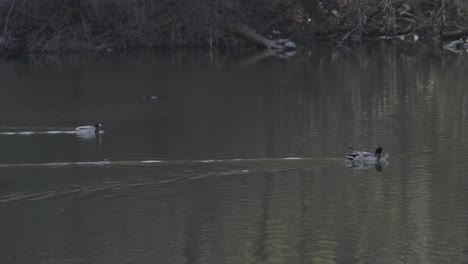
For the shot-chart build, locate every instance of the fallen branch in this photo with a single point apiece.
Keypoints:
(254, 36)
(5, 29)
(454, 34)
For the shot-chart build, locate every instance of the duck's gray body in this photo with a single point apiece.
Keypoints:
(365, 157)
(87, 129)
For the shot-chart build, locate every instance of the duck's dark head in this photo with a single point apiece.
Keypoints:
(460, 44)
(378, 152)
(98, 125)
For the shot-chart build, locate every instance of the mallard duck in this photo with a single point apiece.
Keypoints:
(365, 157)
(88, 129)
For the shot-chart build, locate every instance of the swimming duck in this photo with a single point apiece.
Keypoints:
(150, 97)
(365, 157)
(457, 46)
(94, 128)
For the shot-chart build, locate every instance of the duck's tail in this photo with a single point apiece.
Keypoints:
(351, 156)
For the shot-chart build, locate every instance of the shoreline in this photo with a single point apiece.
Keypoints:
(90, 25)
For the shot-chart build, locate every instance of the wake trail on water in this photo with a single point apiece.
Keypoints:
(25, 131)
(29, 131)
(172, 172)
(156, 162)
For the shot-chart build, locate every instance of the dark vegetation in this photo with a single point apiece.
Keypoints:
(50, 25)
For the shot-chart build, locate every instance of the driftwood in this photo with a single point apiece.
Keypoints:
(254, 36)
(457, 46)
(454, 34)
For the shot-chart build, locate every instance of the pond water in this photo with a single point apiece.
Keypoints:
(239, 159)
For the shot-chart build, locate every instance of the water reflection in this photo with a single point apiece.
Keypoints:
(149, 200)
(378, 166)
(90, 135)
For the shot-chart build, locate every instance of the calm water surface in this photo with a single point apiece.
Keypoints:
(203, 174)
